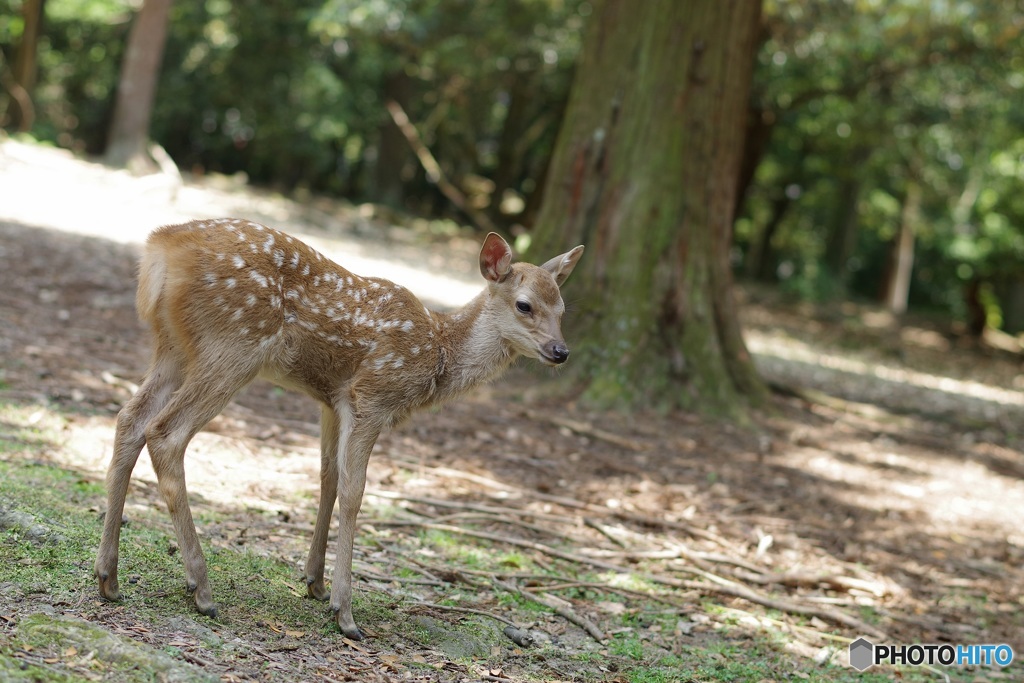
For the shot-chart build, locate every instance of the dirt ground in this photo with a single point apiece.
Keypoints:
(890, 497)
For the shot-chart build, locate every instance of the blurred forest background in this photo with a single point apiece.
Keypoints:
(884, 155)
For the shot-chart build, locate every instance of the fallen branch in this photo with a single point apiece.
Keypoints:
(739, 591)
(474, 507)
(604, 531)
(839, 582)
(476, 517)
(561, 610)
(658, 522)
(624, 592)
(396, 579)
(499, 519)
(433, 169)
(585, 429)
(468, 610)
(715, 584)
(571, 503)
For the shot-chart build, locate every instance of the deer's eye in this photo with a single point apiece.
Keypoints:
(523, 307)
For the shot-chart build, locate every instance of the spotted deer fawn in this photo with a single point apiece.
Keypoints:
(230, 300)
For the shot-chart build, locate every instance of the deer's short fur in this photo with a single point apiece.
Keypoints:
(230, 300)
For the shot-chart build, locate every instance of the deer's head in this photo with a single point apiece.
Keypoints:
(528, 303)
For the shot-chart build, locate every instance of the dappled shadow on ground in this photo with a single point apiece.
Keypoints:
(860, 518)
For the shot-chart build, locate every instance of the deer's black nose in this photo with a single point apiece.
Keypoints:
(558, 352)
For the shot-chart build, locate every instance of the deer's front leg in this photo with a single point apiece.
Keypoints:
(331, 431)
(353, 460)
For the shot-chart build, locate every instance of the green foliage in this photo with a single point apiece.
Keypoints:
(861, 99)
(79, 54)
(293, 93)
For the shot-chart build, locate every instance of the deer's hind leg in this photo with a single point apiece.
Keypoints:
(331, 433)
(201, 397)
(163, 380)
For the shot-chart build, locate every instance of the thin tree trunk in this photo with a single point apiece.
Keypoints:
(26, 65)
(842, 238)
(392, 147)
(645, 174)
(898, 290)
(136, 91)
(509, 157)
(760, 126)
(763, 261)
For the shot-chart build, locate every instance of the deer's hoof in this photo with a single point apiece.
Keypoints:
(316, 589)
(109, 589)
(347, 624)
(204, 603)
(110, 594)
(207, 610)
(352, 633)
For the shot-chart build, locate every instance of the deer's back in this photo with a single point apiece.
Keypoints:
(237, 287)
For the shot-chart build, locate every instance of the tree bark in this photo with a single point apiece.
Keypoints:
(136, 90)
(645, 174)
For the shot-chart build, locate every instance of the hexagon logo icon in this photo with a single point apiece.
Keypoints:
(862, 654)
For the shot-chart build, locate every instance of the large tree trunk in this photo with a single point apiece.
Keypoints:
(136, 90)
(645, 174)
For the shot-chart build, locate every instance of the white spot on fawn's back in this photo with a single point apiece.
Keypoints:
(259, 278)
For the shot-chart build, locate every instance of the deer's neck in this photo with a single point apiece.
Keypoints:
(471, 347)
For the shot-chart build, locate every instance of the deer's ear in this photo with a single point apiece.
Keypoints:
(561, 266)
(495, 258)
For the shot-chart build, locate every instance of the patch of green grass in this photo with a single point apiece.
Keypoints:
(514, 601)
(468, 555)
(50, 538)
(627, 645)
(46, 540)
(515, 560)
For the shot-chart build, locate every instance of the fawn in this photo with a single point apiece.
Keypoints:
(229, 300)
